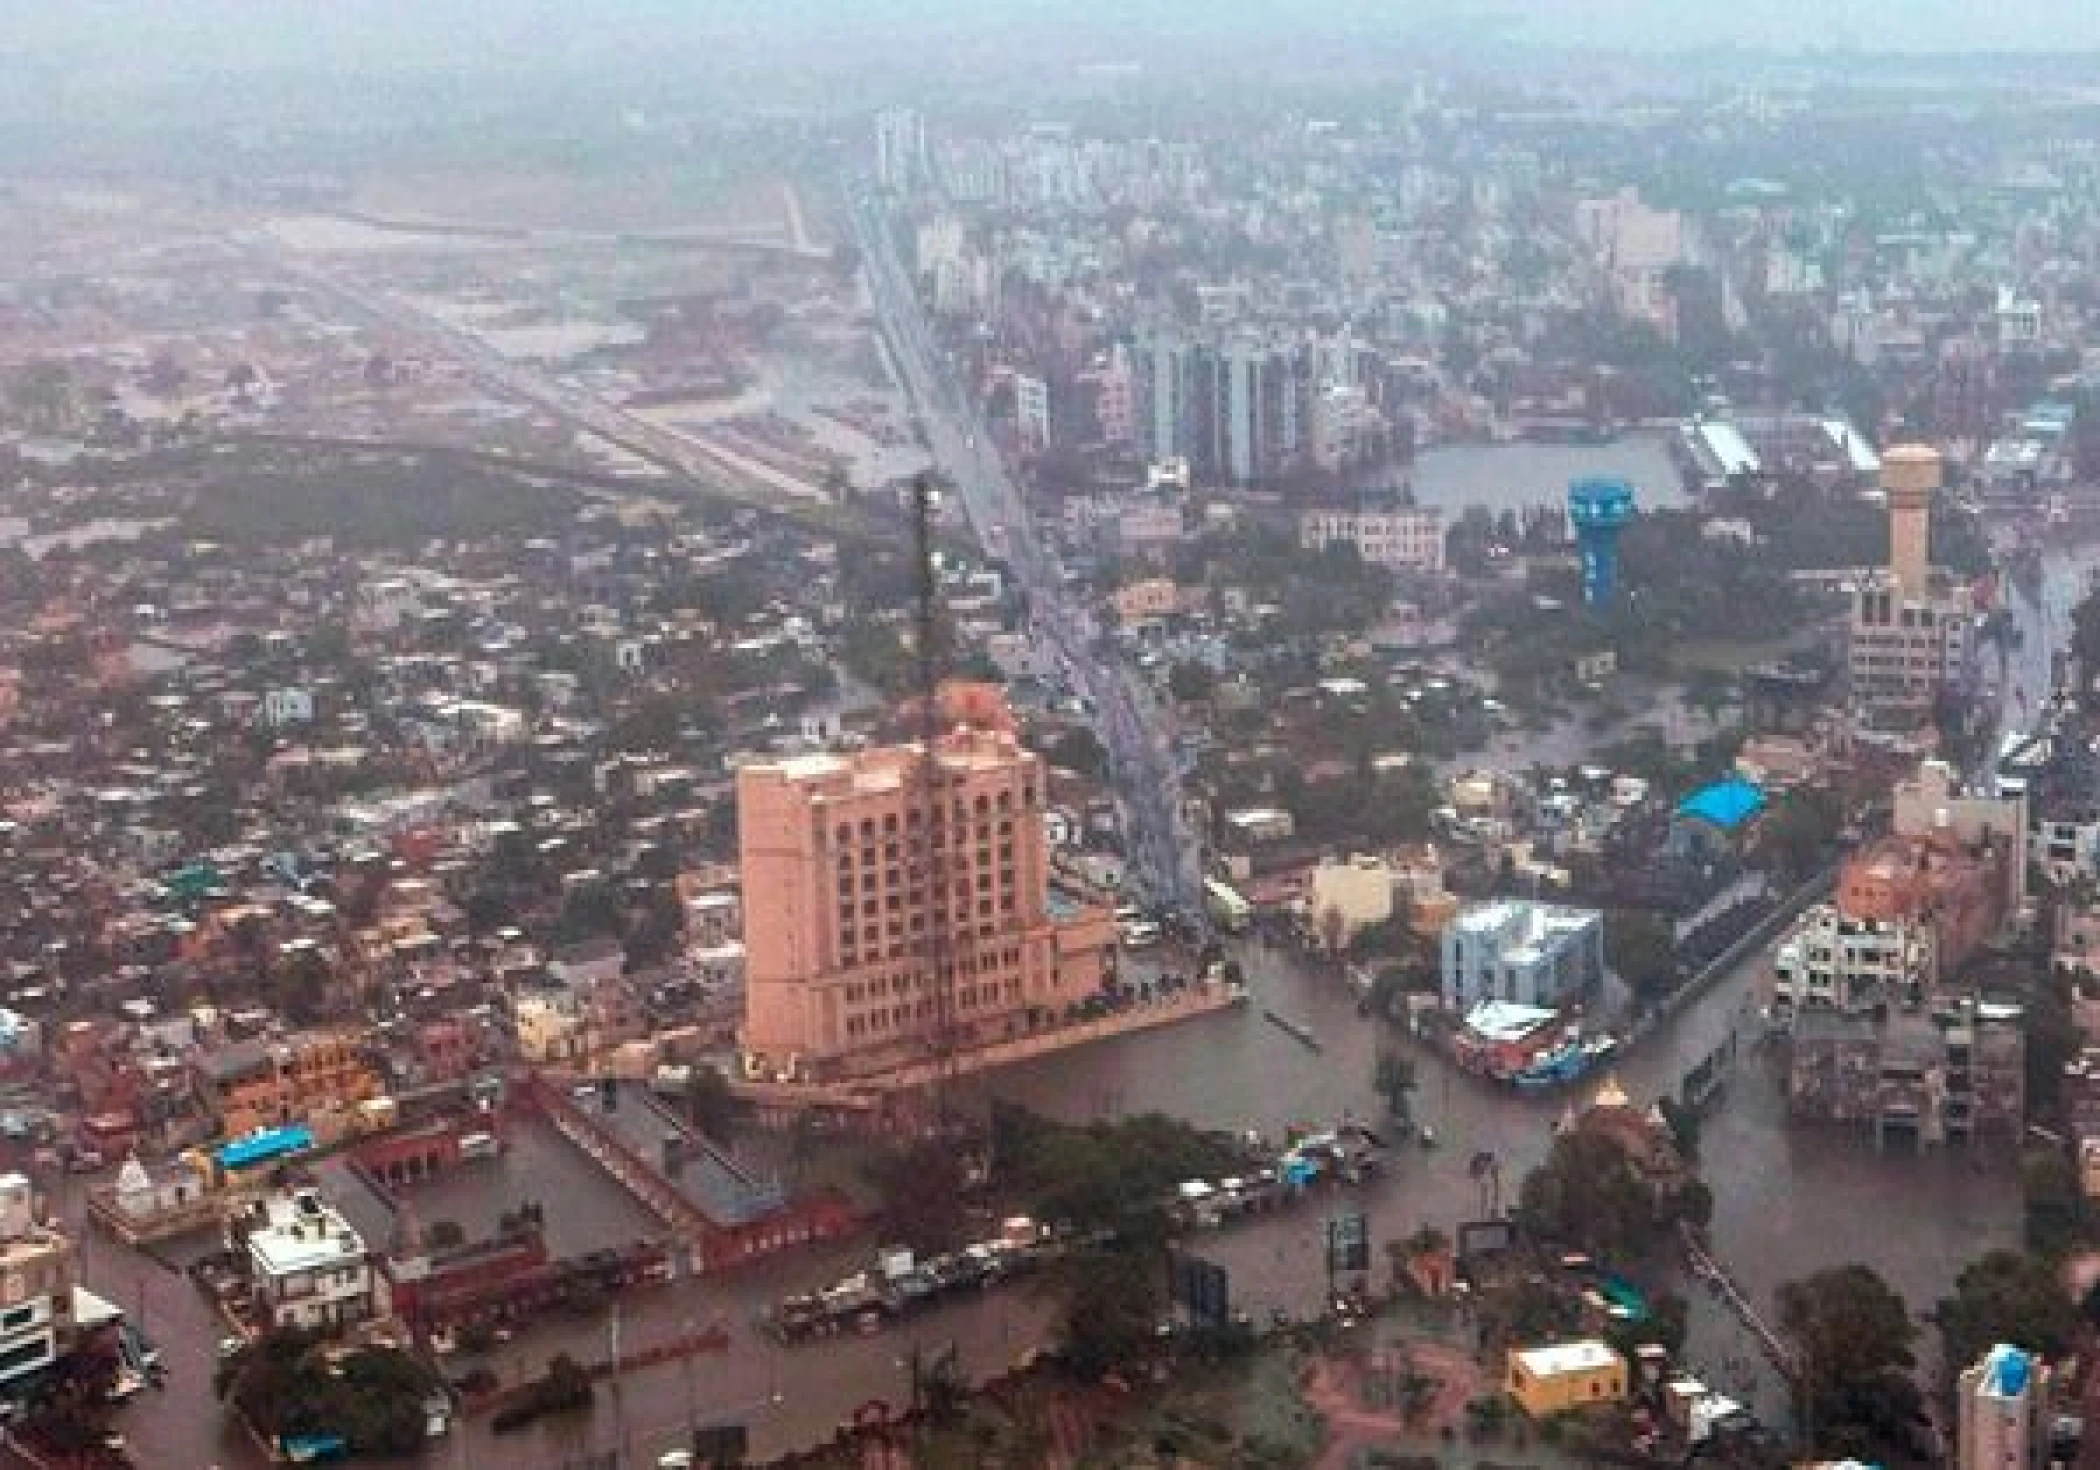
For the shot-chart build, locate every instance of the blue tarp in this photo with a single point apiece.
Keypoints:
(266, 1146)
(1725, 804)
(307, 1449)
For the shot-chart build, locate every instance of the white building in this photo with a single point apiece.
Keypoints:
(37, 1276)
(1032, 412)
(306, 1263)
(1410, 539)
(1520, 952)
(289, 706)
(900, 149)
(1831, 963)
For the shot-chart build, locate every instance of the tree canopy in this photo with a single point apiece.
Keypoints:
(1852, 1339)
(2006, 1296)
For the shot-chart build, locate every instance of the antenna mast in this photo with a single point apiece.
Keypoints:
(933, 828)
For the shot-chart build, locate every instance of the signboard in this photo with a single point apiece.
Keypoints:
(1203, 1288)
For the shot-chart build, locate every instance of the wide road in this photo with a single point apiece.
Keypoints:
(1164, 859)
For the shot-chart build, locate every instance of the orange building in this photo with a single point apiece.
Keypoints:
(845, 861)
(317, 1079)
(1957, 892)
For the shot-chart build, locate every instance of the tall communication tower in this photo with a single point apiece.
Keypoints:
(934, 834)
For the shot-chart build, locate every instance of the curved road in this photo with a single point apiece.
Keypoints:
(1163, 857)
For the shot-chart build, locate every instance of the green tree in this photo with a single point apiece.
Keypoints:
(710, 1103)
(1080, 751)
(921, 1186)
(2006, 1296)
(1589, 1196)
(1642, 952)
(2056, 1212)
(1851, 1338)
(1191, 682)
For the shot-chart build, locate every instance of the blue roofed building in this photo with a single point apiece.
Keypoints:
(1712, 821)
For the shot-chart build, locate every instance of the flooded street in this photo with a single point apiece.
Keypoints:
(1787, 1201)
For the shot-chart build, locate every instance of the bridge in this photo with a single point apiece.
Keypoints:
(1715, 1275)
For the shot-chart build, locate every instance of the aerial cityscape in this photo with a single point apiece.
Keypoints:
(899, 736)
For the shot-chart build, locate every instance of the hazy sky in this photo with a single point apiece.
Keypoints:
(145, 35)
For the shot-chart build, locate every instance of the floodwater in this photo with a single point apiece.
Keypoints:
(1788, 1201)
(1501, 477)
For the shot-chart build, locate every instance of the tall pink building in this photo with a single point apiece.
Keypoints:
(842, 905)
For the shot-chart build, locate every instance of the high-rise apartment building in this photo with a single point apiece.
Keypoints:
(900, 149)
(2003, 1402)
(1912, 631)
(875, 893)
(37, 1275)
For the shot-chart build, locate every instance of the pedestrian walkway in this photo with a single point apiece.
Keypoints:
(1716, 1276)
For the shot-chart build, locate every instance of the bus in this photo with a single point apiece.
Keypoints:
(1227, 909)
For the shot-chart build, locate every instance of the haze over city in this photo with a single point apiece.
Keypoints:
(910, 734)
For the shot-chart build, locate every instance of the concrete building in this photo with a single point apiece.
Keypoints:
(1912, 633)
(317, 1079)
(1956, 1077)
(306, 1263)
(1401, 539)
(1032, 412)
(900, 149)
(1570, 1375)
(872, 866)
(37, 1276)
(1932, 803)
(1520, 952)
(1834, 963)
(2003, 1409)
(1956, 892)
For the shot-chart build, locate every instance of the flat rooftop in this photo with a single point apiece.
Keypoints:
(582, 1208)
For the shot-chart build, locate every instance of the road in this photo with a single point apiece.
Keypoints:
(680, 453)
(1163, 856)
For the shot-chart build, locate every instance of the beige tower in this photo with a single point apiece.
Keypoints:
(1910, 473)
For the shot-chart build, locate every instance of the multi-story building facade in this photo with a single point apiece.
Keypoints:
(901, 162)
(307, 1265)
(1957, 892)
(1402, 539)
(317, 1078)
(1912, 632)
(1520, 952)
(903, 903)
(37, 1276)
(2003, 1412)
(1835, 963)
(1955, 1077)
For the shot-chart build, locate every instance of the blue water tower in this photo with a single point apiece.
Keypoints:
(1599, 509)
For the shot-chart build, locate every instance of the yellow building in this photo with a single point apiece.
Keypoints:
(1552, 1380)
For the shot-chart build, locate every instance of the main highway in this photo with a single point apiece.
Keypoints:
(1163, 858)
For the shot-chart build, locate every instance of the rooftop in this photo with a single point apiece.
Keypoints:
(1585, 1356)
(302, 1234)
(1728, 804)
